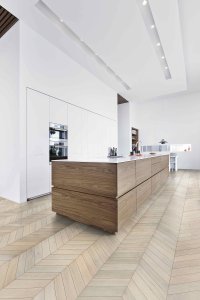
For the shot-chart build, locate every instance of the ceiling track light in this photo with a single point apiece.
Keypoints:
(47, 12)
(154, 36)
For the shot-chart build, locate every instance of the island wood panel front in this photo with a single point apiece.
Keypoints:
(105, 195)
(89, 209)
(164, 162)
(144, 190)
(164, 175)
(143, 170)
(155, 168)
(155, 160)
(155, 182)
(106, 213)
(91, 178)
(127, 206)
(126, 180)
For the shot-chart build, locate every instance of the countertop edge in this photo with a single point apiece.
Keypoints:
(111, 160)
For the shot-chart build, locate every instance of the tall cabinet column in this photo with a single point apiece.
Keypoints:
(38, 180)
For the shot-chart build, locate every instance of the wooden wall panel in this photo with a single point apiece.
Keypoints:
(125, 177)
(92, 178)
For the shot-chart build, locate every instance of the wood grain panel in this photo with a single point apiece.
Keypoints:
(164, 162)
(143, 170)
(92, 178)
(127, 206)
(155, 182)
(89, 209)
(155, 160)
(159, 163)
(103, 194)
(125, 177)
(143, 192)
(164, 175)
(155, 168)
(7, 20)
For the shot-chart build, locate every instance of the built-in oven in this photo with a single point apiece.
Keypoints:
(58, 141)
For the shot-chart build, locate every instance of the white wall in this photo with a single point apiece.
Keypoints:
(176, 119)
(49, 70)
(46, 69)
(124, 129)
(9, 114)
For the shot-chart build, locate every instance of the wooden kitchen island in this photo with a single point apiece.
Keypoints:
(105, 193)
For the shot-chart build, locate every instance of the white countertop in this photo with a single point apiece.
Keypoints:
(113, 160)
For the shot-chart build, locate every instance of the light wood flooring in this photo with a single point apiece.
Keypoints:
(156, 255)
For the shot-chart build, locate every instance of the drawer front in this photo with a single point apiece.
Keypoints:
(143, 192)
(164, 161)
(164, 175)
(125, 177)
(143, 170)
(155, 168)
(91, 178)
(88, 209)
(127, 206)
(155, 182)
(156, 160)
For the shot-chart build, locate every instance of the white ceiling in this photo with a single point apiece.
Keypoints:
(115, 30)
(190, 21)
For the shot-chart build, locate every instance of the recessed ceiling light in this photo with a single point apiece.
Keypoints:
(61, 20)
(148, 18)
(144, 2)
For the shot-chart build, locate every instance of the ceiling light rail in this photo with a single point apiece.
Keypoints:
(59, 22)
(148, 19)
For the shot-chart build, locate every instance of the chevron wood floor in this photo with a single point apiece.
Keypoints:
(156, 255)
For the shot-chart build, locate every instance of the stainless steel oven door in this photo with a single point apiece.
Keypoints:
(58, 150)
(58, 132)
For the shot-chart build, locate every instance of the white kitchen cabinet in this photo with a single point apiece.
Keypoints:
(77, 134)
(38, 179)
(101, 134)
(94, 138)
(111, 133)
(89, 134)
(58, 111)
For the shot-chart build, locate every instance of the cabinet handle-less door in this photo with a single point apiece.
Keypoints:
(58, 111)
(37, 144)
